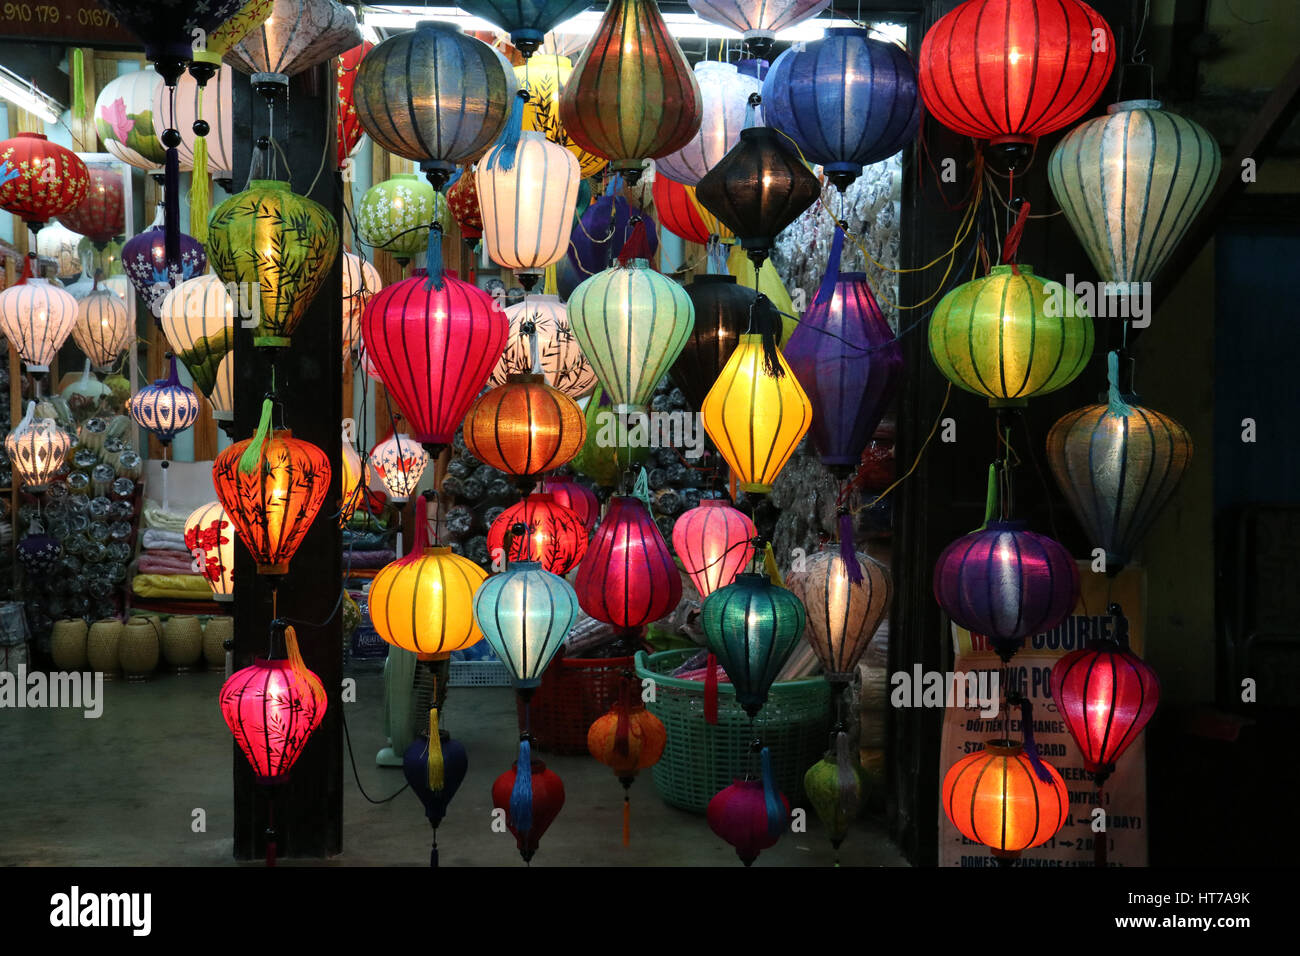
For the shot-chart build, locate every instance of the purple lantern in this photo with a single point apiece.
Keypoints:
(601, 233)
(848, 361)
(38, 551)
(144, 258)
(1006, 583)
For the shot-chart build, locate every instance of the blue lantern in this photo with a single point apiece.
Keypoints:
(847, 101)
(166, 408)
(525, 613)
(752, 627)
(455, 764)
(527, 21)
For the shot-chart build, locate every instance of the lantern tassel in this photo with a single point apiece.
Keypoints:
(78, 67)
(1012, 242)
(251, 459)
(848, 553)
(769, 566)
(711, 691)
(637, 245)
(200, 188)
(503, 157)
(772, 800)
(521, 797)
(437, 770)
(172, 214)
(1031, 748)
(433, 258)
(770, 334)
(641, 488)
(826, 290)
(849, 785)
(1115, 401)
(717, 257)
(990, 497)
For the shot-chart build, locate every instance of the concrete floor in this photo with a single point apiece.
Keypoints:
(121, 790)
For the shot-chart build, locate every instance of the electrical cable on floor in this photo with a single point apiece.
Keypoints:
(355, 775)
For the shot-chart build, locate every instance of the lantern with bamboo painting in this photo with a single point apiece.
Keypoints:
(361, 280)
(724, 103)
(37, 318)
(628, 577)
(540, 335)
(758, 20)
(399, 461)
(627, 739)
(37, 448)
(100, 215)
(579, 499)
(395, 215)
(846, 597)
(210, 536)
(538, 529)
(524, 428)
(103, 330)
(544, 77)
(198, 319)
(715, 543)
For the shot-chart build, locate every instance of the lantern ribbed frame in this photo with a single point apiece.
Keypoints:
(125, 122)
(753, 627)
(524, 427)
(714, 543)
(556, 537)
(272, 710)
(563, 365)
(198, 320)
(842, 615)
(1106, 694)
(579, 499)
(101, 214)
(525, 614)
(422, 603)
(37, 319)
(50, 180)
(298, 35)
(527, 21)
(399, 461)
(643, 744)
(395, 215)
(628, 577)
(544, 77)
(724, 104)
(995, 798)
(361, 281)
(103, 328)
(527, 210)
(757, 18)
(167, 30)
(37, 449)
(218, 112)
(209, 530)
(677, 210)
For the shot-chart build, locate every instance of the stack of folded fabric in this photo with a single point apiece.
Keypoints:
(165, 569)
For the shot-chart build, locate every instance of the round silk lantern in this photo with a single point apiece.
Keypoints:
(543, 76)
(603, 229)
(524, 428)
(628, 577)
(361, 280)
(526, 197)
(37, 318)
(462, 202)
(168, 31)
(213, 104)
(434, 95)
(1006, 584)
(38, 552)
(103, 329)
(210, 536)
(743, 814)
(547, 790)
(715, 543)
(758, 20)
(758, 189)
(724, 99)
(37, 448)
(100, 215)
(847, 99)
(631, 323)
(395, 215)
(399, 462)
(756, 419)
(283, 242)
(527, 21)
(297, 35)
(525, 613)
(552, 535)
(434, 349)
(627, 739)
(631, 99)
(348, 131)
(724, 311)
(422, 603)
(752, 627)
(166, 408)
(144, 258)
(124, 119)
(41, 179)
(847, 359)
(579, 499)
(996, 797)
(1130, 183)
(272, 486)
(1010, 336)
(198, 319)
(540, 335)
(677, 210)
(452, 769)
(609, 450)
(1010, 71)
(845, 607)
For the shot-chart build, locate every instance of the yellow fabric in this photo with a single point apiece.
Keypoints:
(185, 587)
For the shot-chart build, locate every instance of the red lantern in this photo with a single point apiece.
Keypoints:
(349, 131)
(524, 427)
(434, 348)
(39, 179)
(677, 210)
(1010, 71)
(714, 542)
(99, 216)
(743, 815)
(546, 803)
(462, 198)
(579, 499)
(628, 577)
(627, 739)
(554, 535)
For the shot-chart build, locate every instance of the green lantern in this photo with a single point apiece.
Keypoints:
(395, 215)
(1010, 336)
(752, 627)
(837, 787)
(284, 243)
(607, 450)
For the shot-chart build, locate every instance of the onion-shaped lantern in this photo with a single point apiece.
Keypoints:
(422, 602)
(603, 229)
(272, 486)
(524, 428)
(395, 215)
(1010, 336)
(125, 121)
(210, 536)
(1130, 183)
(750, 816)
(433, 348)
(714, 542)
(527, 21)
(724, 99)
(540, 335)
(283, 242)
(756, 418)
(752, 627)
(579, 499)
(144, 258)
(198, 320)
(297, 35)
(399, 462)
(41, 180)
(103, 330)
(166, 408)
(631, 96)
(525, 613)
(538, 529)
(758, 189)
(547, 800)
(847, 100)
(100, 216)
(724, 311)
(38, 552)
(677, 209)
(628, 577)
(543, 77)
(758, 20)
(37, 318)
(361, 280)
(36, 448)
(627, 739)
(631, 323)
(844, 605)
(1006, 583)
(996, 797)
(434, 95)
(609, 450)
(348, 131)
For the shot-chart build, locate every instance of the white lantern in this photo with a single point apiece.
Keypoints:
(217, 111)
(37, 448)
(124, 119)
(198, 319)
(399, 462)
(223, 393)
(59, 243)
(103, 329)
(724, 93)
(210, 536)
(361, 280)
(37, 319)
(527, 210)
(551, 343)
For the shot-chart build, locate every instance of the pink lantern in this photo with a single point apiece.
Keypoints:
(714, 543)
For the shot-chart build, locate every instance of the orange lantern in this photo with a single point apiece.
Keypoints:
(552, 535)
(525, 427)
(627, 739)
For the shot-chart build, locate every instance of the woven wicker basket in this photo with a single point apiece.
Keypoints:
(574, 692)
(102, 645)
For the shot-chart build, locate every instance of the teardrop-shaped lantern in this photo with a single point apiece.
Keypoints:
(544, 77)
(125, 122)
(724, 311)
(848, 100)
(631, 96)
(758, 189)
(741, 815)
(41, 179)
(422, 603)
(1130, 183)
(628, 577)
(527, 21)
(283, 242)
(753, 627)
(395, 215)
(677, 210)
(210, 536)
(525, 613)
(837, 787)
(361, 281)
(37, 318)
(103, 329)
(399, 461)
(540, 325)
(714, 542)
(454, 766)
(541, 530)
(198, 319)
(1010, 336)
(434, 349)
(100, 216)
(724, 103)
(754, 418)
(434, 95)
(524, 428)
(348, 132)
(166, 408)
(631, 323)
(296, 36)
(758, 20)
(843, 613)
(144, 259)
(37, 448)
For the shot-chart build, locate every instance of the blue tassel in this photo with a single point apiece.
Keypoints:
(1115, 401)
(641, 488)
(433, 258)
(503, 157)
(832, 275)
(1031, 748)
(775, 809)
(455, 178)
(521, 798)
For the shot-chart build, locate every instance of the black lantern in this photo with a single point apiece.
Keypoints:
(723, 310)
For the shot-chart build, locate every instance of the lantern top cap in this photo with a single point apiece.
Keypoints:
(525, 566)
(1006, 269)
(525, 378)
(847, 32)
(753, 577)
(443, 25)
(1006, 525)
(279, 184)
(1004, 748)
(1124, 106)
(545, 497)
(30, 136)
(714, 503)
(707, 278)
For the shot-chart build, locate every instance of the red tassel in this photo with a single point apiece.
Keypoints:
(1012, 242)
(637, 245)
(27, 270)
(711, 692)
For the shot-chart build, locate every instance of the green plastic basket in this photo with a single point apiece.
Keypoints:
(701, 759)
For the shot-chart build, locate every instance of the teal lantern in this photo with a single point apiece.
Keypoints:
(525, 613)
(752, 627)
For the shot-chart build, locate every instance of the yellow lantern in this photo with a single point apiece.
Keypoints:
(756, 415)
(210, 536)
(543, 75)
(424, 603)
(356, 479)
(198, 319)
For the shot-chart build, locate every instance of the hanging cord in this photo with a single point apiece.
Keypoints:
(919, 455)
(347, 736)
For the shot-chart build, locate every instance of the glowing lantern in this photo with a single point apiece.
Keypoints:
(361, 280)
(283, 242)
(724, 98)
(37, 448)
(628, 577)
(1010, 336)
(549, 534)
(525, 613)
(272, 486)
(758, 20)
(524, 428)
(677, 209)
(355, 481)
(103, 330)
(348, 131)
(631, 95)
(714, 543)
(756, 418)
(574, 497)
(724, 311)
(37, 319)
(124, 119)
(544, 77)
(434, 95)
(844, 606)
(395, 215)
(297, 35)
(1130, 183)
(223, 391)
(433, 348)
(750, 816)
(166, 408)
(41, 179)
(198, 319)
(996, 797)
(847, 100)
(399, 462)
(627, 739)
(631, 323)
(609, 450)
(100, 215)
(462, 200)
(544, 805)
(539, 326)
(210, 104)
(752, 627)
(210, 536)
(144, 258)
